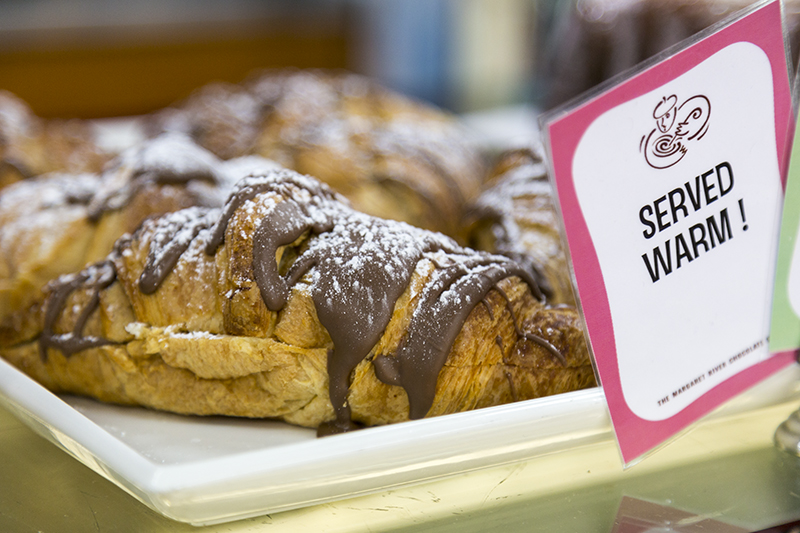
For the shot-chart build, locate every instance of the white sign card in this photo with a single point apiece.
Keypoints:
(670, 186)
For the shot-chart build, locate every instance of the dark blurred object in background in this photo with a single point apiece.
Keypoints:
(593, 40)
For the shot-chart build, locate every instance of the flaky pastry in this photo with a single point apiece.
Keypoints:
(516, 217)
(31, 146)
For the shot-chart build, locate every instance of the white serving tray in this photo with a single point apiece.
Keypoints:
(210, 470)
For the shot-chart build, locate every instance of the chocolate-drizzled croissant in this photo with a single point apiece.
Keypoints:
(57, 223)
(390, 156)
(516, 217)
(287, 303)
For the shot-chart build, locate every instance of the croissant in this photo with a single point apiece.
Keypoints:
(516, 217)
(390, 156)
(58, 223)
(30, 145)
(286, 303)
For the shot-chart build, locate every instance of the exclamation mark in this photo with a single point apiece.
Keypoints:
(741, 210)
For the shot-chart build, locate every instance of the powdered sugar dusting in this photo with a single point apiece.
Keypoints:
(171, 236)
(171, 158)
(35, 214)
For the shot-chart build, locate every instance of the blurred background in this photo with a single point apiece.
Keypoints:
(106, 58)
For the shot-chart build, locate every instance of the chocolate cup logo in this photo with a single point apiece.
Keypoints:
(676, 127)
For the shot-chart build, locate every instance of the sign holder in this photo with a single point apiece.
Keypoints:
(669, 181)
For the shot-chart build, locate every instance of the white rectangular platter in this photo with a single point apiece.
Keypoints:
(211, 470)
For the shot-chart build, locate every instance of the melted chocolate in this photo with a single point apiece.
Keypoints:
(445, 304)
(96, 277)
(178, 231)
(512, 387)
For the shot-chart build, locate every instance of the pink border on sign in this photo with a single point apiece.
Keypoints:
(635, 435)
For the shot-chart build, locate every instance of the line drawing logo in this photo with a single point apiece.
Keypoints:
(676, 127)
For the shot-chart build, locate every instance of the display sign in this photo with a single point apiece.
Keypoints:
(669, 183)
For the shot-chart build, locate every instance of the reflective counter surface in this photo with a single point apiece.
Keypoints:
(726, 470)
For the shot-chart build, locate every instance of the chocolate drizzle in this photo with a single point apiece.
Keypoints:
(96, 278)
(356, 267)
(532, 337)
(437, 321)
(281, 182)
(178, 230)
(519, 175)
